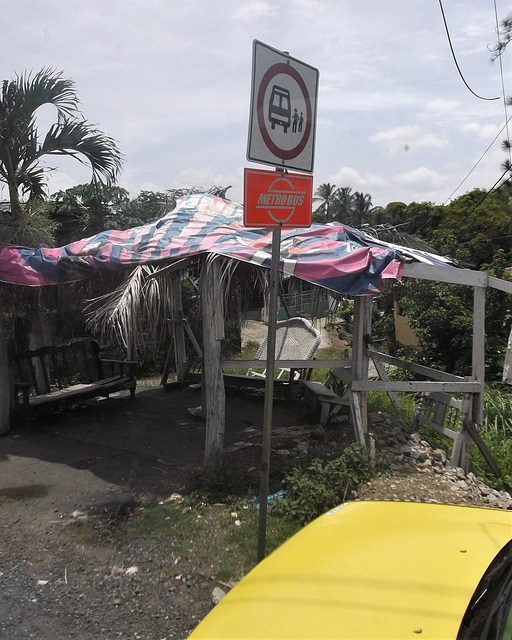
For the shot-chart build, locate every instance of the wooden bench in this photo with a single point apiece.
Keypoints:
(318, 393)
(53, 377)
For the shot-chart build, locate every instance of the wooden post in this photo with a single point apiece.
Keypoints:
(362, 326)
(214, 397)
(478, 362)
(178, 330)
(461, 445)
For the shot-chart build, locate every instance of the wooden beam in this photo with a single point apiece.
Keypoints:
(420, 369)
(448, 274)
(178, 328)
(283, 364)
(415, 386)
(360, 362)
(501, 285)
(478, 356)
(383, 375)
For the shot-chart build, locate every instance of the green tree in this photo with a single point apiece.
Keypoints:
(343, 205)
(326, 192)
(148, 206)
(87, 209)
(479, 224)
(22, 147)
(474, 229)
(362, 209)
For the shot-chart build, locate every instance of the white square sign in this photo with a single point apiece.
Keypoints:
(282, 123)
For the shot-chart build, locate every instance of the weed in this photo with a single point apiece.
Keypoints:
(228, 484)
(324, 484)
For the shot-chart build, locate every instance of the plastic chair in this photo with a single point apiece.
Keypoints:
(296, 339)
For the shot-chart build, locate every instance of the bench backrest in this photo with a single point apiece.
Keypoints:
(51, 368)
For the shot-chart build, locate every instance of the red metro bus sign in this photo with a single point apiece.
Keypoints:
(275, 199)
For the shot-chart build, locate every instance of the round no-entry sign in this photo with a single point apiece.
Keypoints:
(283, 110)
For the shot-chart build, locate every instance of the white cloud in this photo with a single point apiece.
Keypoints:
(170, 81)
(253, 10)
(442, 106)
(421, 180)
(349, 177)
(406, 138)
(486, 132)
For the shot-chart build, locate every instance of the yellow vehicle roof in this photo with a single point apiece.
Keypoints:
(379, 570)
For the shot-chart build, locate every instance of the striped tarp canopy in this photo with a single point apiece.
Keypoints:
(333, 256)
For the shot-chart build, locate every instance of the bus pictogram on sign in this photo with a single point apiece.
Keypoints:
(283, 110)
(275, 199)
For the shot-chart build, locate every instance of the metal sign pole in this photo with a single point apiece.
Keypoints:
(269, 392)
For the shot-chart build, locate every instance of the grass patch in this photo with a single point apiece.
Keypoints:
(175, 522)
(219, 539)
(496, 431)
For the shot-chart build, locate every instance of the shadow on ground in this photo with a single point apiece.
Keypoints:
(111, 449)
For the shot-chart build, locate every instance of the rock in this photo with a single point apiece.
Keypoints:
(440, 456)
(217, 595)
(318, 433)
(419, 455)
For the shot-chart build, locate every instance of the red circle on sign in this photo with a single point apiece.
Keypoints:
(284, 154)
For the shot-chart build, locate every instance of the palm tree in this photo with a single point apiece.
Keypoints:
(344, 204)
(21, 146)
(362, 208)
(21, 151)
(326, 193)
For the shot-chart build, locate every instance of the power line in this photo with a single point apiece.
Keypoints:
(455, 58)
(478, 161)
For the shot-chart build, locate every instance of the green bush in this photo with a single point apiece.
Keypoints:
(324, 484)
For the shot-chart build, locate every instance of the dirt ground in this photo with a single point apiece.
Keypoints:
(67, 479)
(62, 572)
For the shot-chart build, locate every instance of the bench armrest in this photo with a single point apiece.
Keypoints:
(114, 366)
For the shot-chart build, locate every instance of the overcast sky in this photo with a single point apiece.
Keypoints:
(170, 81)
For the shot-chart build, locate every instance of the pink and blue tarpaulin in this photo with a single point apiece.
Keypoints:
(333, 256)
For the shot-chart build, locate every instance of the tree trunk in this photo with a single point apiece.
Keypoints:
(14, 199)
(214, 396)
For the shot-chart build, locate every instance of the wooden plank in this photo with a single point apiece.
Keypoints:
(448, 274)
(357, 417)
(437, 427)
(478, 353)
(501, 285)
(322, 392)
(383, 375)
(420, 369)
(177, 328)
(415, 386)
(283, 364)
(482, 447)
(461, 446)
(446, 399)
(361, 327)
